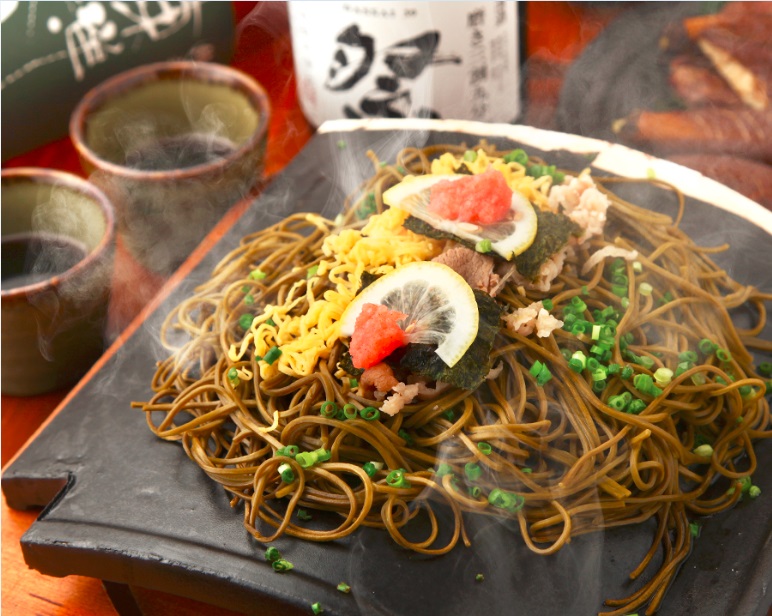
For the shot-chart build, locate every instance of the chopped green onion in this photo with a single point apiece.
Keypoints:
(620, 279)
(405, 436)
(350, 411)
(287, 475)
(547, 304)
(233, 374)
(321, 454)
(484, 246)
(305, 459)
(474, 491)
(765, 368)
(706, 346)
(577, 304)
(341, 144)
(645, 289)
(401, 170)
(690, 356)
(317, 608)
(598, 386)
(289, 451)
(578, 361)
(472, 471)
(704, 451)
(614, 369)
(484, 448)
(536, 368)
(581, 327)
(270, 321)
(619, 290)
(249, 299)
(344, 588)
(745, 484)
(526, 469)
(444, 469)
(516, 156)
(245, 320)
(470, 156)
(663, 376)
(479, 577)
(585, 290)
(645, 361)
(635, 407)
(601, 352)
(272, 355)
(694, 529)
(645, 384)
(304, 515)
(509, 501)
(543, 377)
(272, 555)
(328, 409)
(369, 468)
(312, 271)
(637, 267)
(281, 565)
(396, 479)
(666, 298)
(450, 415)
(618, 403)
(723, 355)
(625, 302)
(626, 372)
(369, 413)
(746, 391)
(352, 383)
(257, 274)
(754, 491)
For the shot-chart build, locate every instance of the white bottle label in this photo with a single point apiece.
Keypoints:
(454, 60)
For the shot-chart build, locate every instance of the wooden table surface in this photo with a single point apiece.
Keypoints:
(557, 32)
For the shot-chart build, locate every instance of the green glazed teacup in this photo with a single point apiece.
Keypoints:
(58, 241)
(173, 145)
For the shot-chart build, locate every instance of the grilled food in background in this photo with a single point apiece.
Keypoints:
(720, 68)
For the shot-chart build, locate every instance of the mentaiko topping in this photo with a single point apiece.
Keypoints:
(438, 304)
(456, 215)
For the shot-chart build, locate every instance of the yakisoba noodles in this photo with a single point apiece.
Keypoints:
(618, 388)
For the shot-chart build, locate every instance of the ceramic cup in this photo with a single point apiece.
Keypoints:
(173, 145)
(58, 242)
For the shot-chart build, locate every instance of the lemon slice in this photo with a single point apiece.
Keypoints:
(508, 238)
(440, 305)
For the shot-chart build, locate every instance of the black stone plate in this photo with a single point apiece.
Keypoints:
(123, 506)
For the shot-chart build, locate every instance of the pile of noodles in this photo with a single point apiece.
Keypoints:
(579, 465)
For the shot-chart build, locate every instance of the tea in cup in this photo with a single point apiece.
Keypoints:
(58, 241)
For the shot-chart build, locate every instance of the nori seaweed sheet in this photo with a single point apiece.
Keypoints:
(552, 235)
(554, 229)
(470, 371)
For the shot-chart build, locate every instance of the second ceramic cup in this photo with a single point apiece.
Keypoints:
(174, 145)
